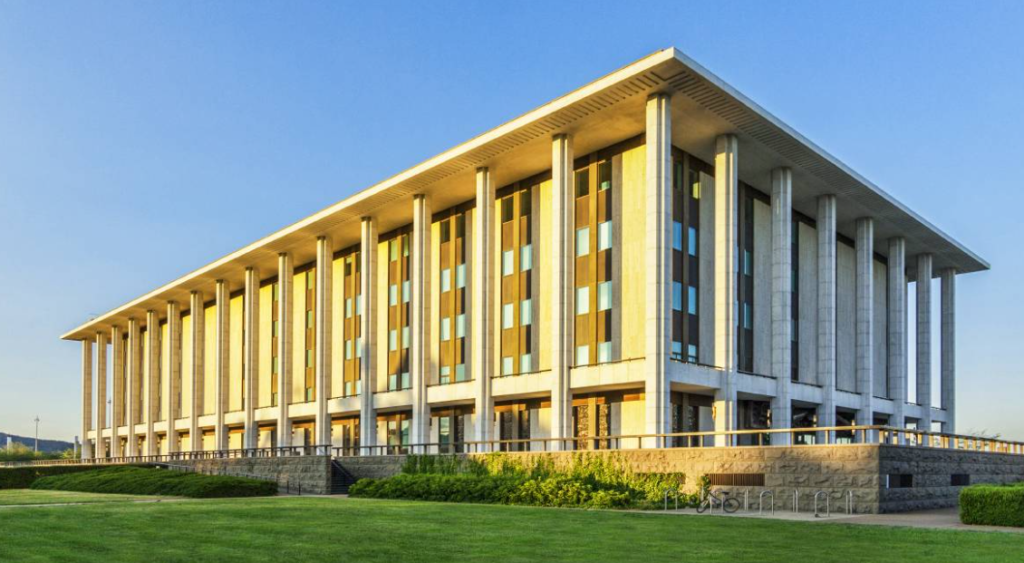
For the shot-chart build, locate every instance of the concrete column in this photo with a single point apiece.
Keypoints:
(561, 286)
(322, 365)
(924, 340)
(221, 361)
(948, 347)
(251, 354)
(285, 301)
(658, 250)
(86, 397)
(865, 335)
(101, 393)
(117, 405)
(826, 226)
(897, 333)
(782, 301)
(420, 303)
(153, 377)
(174, 373)
(367, 328)
(134, 384)
(482, 311)
(197, 309)
(724, 334)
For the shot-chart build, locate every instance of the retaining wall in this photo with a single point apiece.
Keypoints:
(312, 473)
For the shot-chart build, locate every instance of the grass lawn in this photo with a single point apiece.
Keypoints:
(330, 529)
(15, 497)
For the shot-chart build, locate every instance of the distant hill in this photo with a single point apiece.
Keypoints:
(44, 445)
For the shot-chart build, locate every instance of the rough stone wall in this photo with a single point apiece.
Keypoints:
(932, 470)
(311, 473)
(806, 469)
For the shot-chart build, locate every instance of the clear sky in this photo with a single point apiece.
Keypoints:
(141, 140)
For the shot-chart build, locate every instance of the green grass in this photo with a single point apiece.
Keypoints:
(27, 496)
(330, 529)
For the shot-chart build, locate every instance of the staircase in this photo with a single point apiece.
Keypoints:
(341, 479)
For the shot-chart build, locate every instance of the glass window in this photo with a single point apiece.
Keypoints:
(604, 175)
(506, 316)
(526, 363)
(405, 337)
(274, 328)
(526, 258)
(406, 381)
(348, 349)
(677, 296)
(446, 231)
(507, 211)
(393, 295)
(677, 236)
(691, 352)
(446, 329)
(406, 291)
(582, 300)
(392, 250)
(694, 185)
(446, 280)
(359, 347)
(691, 300)
(748, 263)
(460, 326)
(392, 382)
(392, 340)
(604, 296)
(582, 182)
(445, 375)
(604, 235)
(348, 307)
(583, 241)
(677, 350)
(460, 276)
(604, 352)
(508, 265)
(506, 365)
(526, 312)
(405, 245)
(748, 316)
(309, 358)
(460, 372)
(692, 243)
(309, 319)
(359, 305)
(582, 355)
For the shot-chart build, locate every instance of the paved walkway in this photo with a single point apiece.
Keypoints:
(939, 519)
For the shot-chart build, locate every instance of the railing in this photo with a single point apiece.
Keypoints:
(797, 437)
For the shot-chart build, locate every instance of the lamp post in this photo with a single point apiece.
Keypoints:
(37, 433)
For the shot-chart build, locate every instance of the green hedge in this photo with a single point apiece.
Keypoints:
(153, 481)
(23, 477)
(993, 505)
(588, 481)
(491, 489)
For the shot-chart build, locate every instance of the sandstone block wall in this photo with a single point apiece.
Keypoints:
(931, 471)
(311, 473)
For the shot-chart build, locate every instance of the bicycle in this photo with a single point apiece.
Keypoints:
(724, 501)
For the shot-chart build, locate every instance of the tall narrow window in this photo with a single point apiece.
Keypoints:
(595, 246)
(452, 301)
(399, 307)
(687, 171)
(352, 325)
(517, 251)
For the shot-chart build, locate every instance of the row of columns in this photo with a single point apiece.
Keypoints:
(657, 245)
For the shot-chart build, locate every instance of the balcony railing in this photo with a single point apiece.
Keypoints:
(796, 437)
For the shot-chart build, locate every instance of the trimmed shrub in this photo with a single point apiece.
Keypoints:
(587, 480)
(993, 505)
(23, 477)
(152, 481)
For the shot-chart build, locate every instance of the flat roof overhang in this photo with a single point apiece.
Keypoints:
(604, 112)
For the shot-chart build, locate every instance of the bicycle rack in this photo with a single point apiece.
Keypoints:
(760, 501)
(849, 501)
(746, 500)
(667, 491)
(828, 511)
(796, 501)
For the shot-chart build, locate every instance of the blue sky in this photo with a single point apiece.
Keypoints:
(141, 140)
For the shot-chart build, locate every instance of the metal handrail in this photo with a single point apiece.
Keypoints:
(875, 434)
